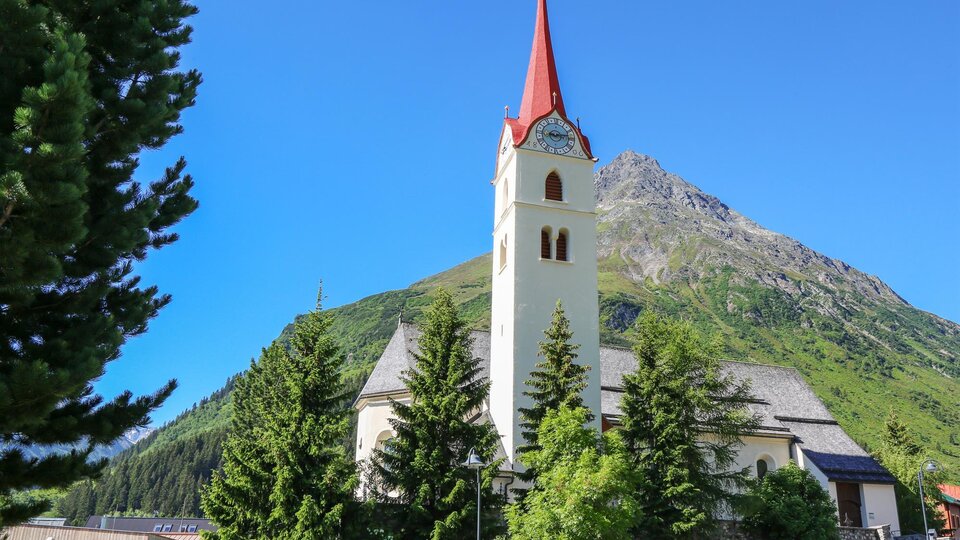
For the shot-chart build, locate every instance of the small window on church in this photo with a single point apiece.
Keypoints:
(545, 243)
(503, 252)
(553, 187)
(563, 246)
(761, 469)
(765, 464)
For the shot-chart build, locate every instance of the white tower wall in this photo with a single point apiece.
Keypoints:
(526, 288)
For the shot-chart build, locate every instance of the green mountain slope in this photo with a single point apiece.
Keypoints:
(664, 245)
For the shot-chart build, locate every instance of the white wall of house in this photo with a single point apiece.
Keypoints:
(881, 506)
(879, 500)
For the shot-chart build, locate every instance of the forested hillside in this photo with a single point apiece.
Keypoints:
(163, 472)
(666, 246)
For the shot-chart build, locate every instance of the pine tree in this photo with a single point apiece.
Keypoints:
(683, 419)
(897, 435)
(903, 457)
(558, 381)
(286, 474)
(423, 465)
(84, 88)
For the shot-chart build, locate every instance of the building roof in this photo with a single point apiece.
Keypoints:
(541, 94)
(784, 402)
(47, 532)
(836, 454)
(148, 524)
(398, 357)
(951, 493)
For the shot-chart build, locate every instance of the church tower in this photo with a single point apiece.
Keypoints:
(545, 246)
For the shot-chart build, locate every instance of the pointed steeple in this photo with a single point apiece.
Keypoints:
(542, 91)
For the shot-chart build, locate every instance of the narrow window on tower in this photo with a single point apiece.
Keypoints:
(545, 243)
(503, 252)
(563, 246)
(553, 187)
(506, 195)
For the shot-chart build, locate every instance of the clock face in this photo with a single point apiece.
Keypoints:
(555, 136)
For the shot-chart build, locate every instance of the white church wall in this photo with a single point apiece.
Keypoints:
(776, 451)
(373, 421)
(881, 506)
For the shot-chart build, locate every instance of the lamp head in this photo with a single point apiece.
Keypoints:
(931, 467)
(473, 461)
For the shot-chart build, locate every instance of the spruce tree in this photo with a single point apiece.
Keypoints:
(286, 474)
(897, 435)
(436, 495)
(683, 419)
(558, 381)
(903, 457)
(85, 87)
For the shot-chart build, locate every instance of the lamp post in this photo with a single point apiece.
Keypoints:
(475, 463)
(931, 467)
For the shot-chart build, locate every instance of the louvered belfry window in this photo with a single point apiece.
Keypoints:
(553, 188)
(562, 246)
(545, 244)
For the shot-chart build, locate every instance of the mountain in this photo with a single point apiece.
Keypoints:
(665, 245)
(103, 451)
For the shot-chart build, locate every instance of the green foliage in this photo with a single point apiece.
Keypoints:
(423, 465)
(677, 393)
(558, 381)
(897, 436)
(163, 480)
(285, 472)
(790, 504)
(903, 457)
(84, 89)
(584, 487)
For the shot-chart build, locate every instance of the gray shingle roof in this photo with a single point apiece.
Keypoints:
(785, 403)
(836, 454)
(387, 376)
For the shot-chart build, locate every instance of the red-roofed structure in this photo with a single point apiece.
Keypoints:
(541, 93)
(950, 510)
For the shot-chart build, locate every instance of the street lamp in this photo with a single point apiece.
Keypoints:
(475, 463)
(930, 466)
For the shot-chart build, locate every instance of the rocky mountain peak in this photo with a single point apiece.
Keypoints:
(665, 228)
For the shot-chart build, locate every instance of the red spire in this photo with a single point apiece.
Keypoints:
(542, 92)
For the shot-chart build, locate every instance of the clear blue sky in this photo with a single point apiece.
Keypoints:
(354, 142)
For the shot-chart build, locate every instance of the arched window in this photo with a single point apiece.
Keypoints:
(764, 465)
(545, 243)
(762, 468)
(553, 188)
(563, 244)
(503, 252)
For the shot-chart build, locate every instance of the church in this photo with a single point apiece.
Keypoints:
(544, 250)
